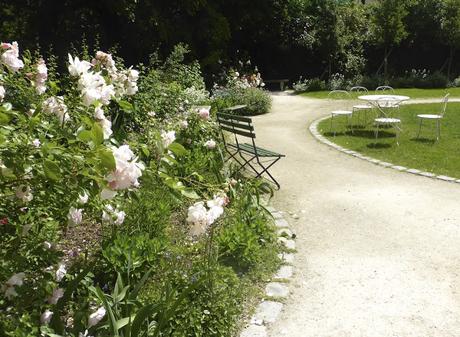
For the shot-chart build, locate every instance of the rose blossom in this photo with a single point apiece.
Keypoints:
(75, 216)
(15, 280)
(198, 217)
(57, 294)
(36, 142)
(184, 124)
(56, 106)
(41, 77)
(60, 272)
(127, 171)
(83, 198)
(10, 57)
(45, 318)
(210, 144)
(168, 138)
(203, 113)
(96, 317)
(77, 67)
(2, 93)
(24, 193)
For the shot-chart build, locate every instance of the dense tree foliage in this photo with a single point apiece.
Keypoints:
(286, 38)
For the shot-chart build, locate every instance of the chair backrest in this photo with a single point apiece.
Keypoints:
(385, 88)
(338, 94)
(387, 102)
(237, 125)
(445, 100)
(359, 89)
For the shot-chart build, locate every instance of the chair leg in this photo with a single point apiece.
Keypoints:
(350, 123)
(265, 170)
(419, 127)
(438, 122)
(332, 121)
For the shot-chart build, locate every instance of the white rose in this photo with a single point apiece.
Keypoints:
(2, 93)
(77, 67)
(60, 272)
(168, 138)
(36, 142)
(24, 193)
(210, 144)
(83, 198)
(57, 294)
(75, 216)
(96, 317)
(45, 318)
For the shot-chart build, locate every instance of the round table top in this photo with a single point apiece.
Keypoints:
(374, 98)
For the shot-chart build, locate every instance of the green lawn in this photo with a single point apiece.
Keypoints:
(440, 157)
(412, 93)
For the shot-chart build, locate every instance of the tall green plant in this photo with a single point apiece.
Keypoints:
(450, 27)
(387, 27)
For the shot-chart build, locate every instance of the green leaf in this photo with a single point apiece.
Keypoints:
(52, 170)
(4, 118)
(147, 311)
(98, 134)
(107, 160)
(126, 106)
(111, 317)
(122, 322)
(85, 136)
(191, 194)
(177, 149)
(7, 107)
(145, 150)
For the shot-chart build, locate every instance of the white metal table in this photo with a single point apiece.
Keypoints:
(389, 101)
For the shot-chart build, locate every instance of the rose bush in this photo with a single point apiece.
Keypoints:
(113, 191)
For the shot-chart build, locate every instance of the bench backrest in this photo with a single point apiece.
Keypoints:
(239, 126)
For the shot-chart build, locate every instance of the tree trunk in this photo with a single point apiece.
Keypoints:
(385, 66)
(330, 68)
(449, 65)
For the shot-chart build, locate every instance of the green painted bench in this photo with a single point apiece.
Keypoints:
(246, 154)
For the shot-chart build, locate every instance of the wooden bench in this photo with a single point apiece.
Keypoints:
(281, 82)
(250, 154)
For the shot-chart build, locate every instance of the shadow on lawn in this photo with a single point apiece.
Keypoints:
(428, 141)
(370, 134)
(379, 145)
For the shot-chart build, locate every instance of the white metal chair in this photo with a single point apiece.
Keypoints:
(385, 88)
(391, 104)
(362, 107)
(435, 117)
(342, 95)
(386, 118)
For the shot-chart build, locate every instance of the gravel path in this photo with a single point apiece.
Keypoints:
(378, 250)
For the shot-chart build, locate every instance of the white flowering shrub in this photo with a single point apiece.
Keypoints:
(110, 183)
(59, 168)
(246, 88)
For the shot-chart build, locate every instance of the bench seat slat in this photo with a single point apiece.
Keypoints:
(261, 152)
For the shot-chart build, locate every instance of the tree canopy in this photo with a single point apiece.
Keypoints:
(286, 38)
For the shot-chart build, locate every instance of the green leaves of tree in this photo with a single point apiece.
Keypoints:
(52, 170)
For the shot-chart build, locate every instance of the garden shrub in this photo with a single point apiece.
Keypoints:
(420, 79)
(307, 85)
(246, 89)
(113, 210)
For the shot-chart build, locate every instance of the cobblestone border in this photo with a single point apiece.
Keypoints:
(314, 131)
(269, 310)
